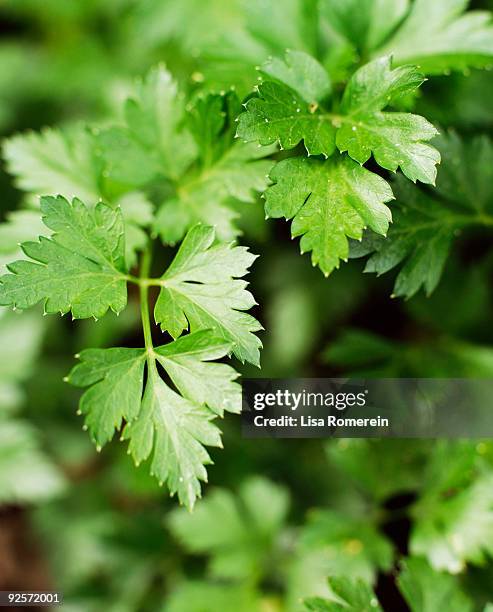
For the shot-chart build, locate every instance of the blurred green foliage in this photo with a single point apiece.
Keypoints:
(400, 522)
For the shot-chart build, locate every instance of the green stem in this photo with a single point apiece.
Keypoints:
(145, 266)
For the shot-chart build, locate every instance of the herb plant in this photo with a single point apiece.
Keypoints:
(178, 131)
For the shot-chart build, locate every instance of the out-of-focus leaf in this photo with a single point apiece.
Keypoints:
(347, 595)
(26, 473)
(370, 464)
(427, 590)
(238, 533)
(226, 170)
(366, 23)
(454, 514)
(442, 37)
(54, 162)
(210, 597)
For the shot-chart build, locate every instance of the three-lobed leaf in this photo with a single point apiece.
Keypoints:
(80, 268)
(171, 426)
(328, 201)
(202, 289)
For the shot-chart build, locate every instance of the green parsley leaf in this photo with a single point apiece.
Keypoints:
(238, 532)
(175, 426)
(80, 268)
(225, 169)
(365, 23)
(64, 161)
(175, 431)
(153, 141)
(279, 114)
(348, 596)
(328, 202)
(19, 226)
(395, 139)
(442, 37)
(420, 237)
(202, 290)
(187, 363)
(425, 223)
(115, 377)
(54, 162)
(302, 73)
(426, 590)
(359, 126)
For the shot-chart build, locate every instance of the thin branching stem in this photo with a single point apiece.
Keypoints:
(145, 266)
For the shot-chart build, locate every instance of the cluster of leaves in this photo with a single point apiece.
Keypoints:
(85, 266)
(332, 200)
(321, 136)
(82, 269)
(423, 591)
(329, 200)
(247, 537)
